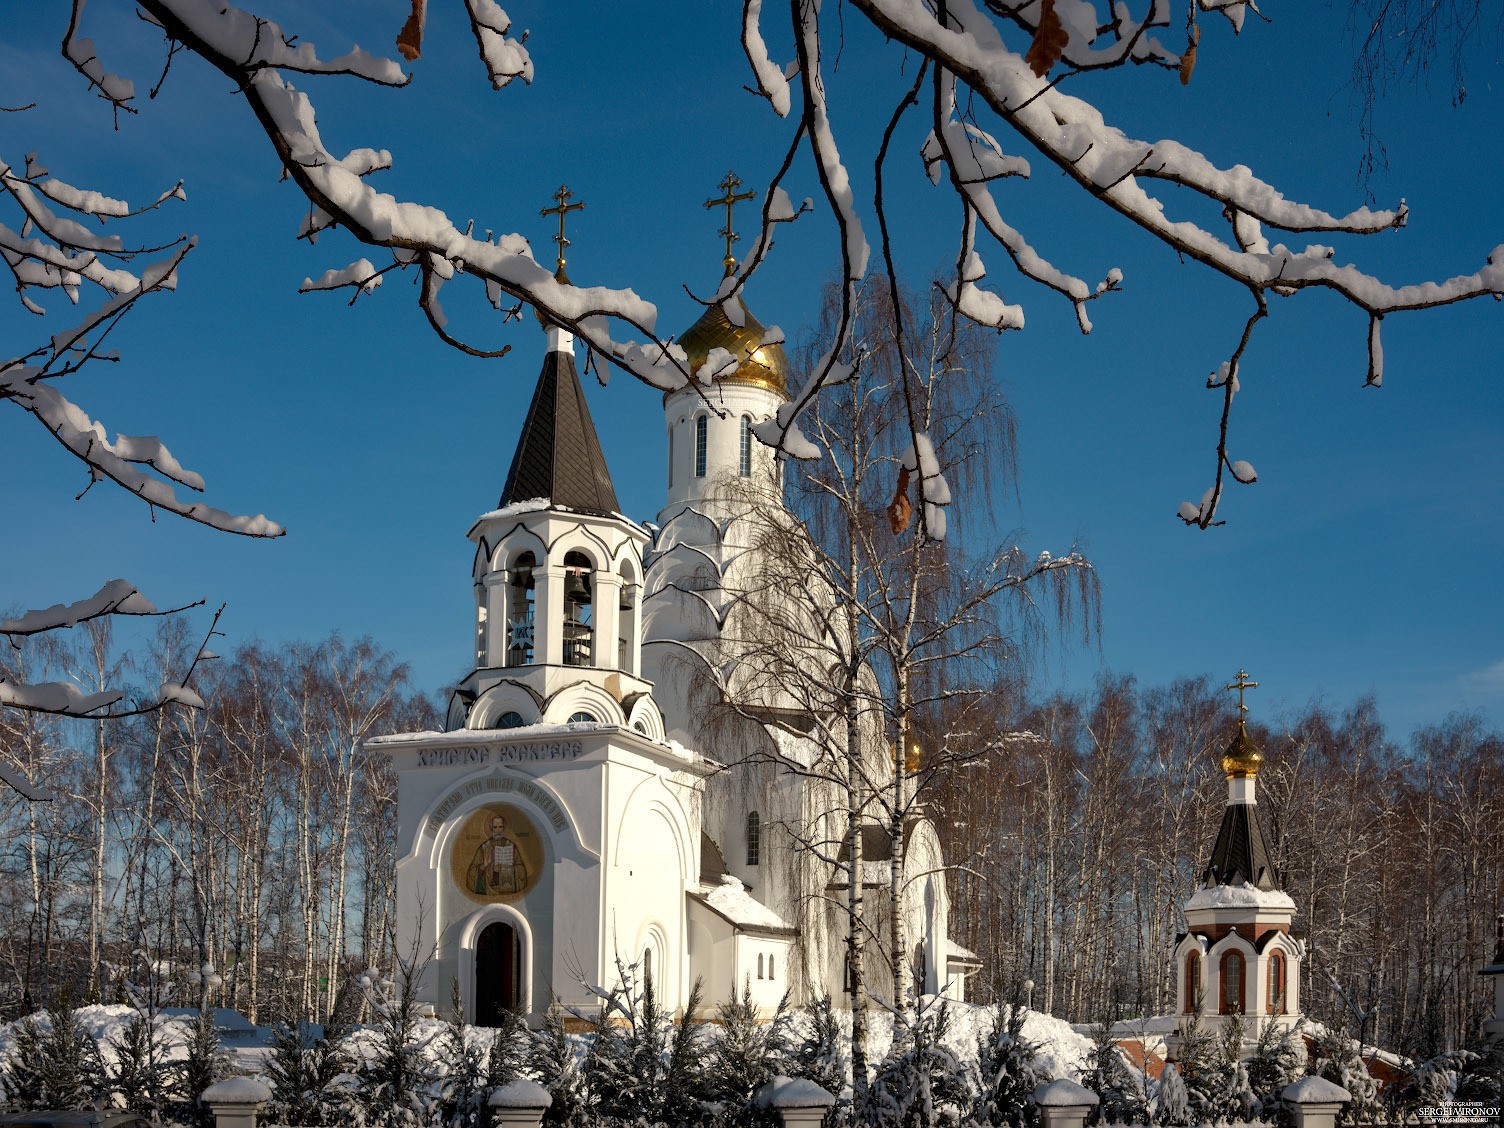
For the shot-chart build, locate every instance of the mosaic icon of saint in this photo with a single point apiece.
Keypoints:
(497, 865)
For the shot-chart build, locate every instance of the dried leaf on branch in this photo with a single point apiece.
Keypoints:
(410, 38)
(1050, 40)
(1188, 60)
(900, 512)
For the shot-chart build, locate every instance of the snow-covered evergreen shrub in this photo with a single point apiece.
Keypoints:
(1006, 1071)
(309, 1071)
(396, 1080)
(70, 1071)
(552, 1063)
(921, 1083)
(462, 1091)
(144, 1078)
(1118, 1085)
(1278, 1060)
(1338, 1060)
(24, 1081)
(819, 1056)
(204, 1064)
(641, 1065)
(1171, 1101)
(744, 1054)
(1205, 1071)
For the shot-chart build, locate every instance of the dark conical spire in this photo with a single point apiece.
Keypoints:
(558, 455)
(1241, 853)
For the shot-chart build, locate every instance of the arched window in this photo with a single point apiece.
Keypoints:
(702, 427)
(647, 967)
(754, 839)
(672, 431)
(582, 718)
(759, 965)
(1276, 1000)
(510, 719)
(578, 575)
(519, 649)
(746, 447)
(770, 967)
(1232, 983)
(1192, 982)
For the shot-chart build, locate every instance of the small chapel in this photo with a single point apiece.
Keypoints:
(1238, 960)
(616, 790)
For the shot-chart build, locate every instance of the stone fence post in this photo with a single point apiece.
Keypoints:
(520, 1104)
(1063, 1104)
(797, 1102)
(235, 1101)
(1315, 1101)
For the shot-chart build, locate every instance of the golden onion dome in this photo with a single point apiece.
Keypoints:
(766, 366)
(1242, 760)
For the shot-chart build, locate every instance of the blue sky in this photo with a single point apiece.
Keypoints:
(1365, 560)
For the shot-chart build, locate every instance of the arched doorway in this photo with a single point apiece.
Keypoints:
(498, 968)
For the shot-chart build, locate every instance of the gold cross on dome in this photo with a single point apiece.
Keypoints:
(562, 210)
(731, 183)
(1240, 684)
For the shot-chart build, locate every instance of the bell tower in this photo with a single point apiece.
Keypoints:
(558, 571)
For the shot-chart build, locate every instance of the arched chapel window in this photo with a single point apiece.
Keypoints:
(770, 967)
(759, 965)
(509, 720)
(702, 426)
(578, 629)
(754, 839)
(746, 447)
(1276, 1001)
(1192, 982)
(647, 967)
(582, 718)
(1232, 983)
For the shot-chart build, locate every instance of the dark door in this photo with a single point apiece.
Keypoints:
(496, 973)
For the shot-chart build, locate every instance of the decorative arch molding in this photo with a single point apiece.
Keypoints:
(505, 697)
(650, 797)
(1233, 941)
(644, 711)
(470, 931)
(579, 538)
(499, 783)
(518, 540)
(583, 697)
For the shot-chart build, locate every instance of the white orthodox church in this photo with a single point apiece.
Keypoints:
(619, 783)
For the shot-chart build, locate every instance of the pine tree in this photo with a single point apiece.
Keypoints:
(1007, 1073)
(1279, 1059)
(309, 1072)
(463, 1090)
(205, 1064)
(1203, 1070)
(745, 1055)
(920, 1083)
(72, 1070)
(142, 1077)
(507, 1056)
(1171, 1101)
(551, 1061)
(395, 1079)
(25, 1078)
(1338, 1060)
(1107, 1073)
(818, 1056)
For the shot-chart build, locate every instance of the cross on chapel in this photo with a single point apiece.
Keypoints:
(731, 183)
(562, 210)
(1241, 683)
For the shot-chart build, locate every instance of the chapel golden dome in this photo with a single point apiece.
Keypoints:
(1242, 760)
(766, 366)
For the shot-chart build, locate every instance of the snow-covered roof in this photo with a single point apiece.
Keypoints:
(731, 900)
(516, 509)
(800, 750)
(1240, 896)
(959, 953)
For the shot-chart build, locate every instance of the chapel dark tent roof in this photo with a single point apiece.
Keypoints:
(1241, 852)
(558, 455)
